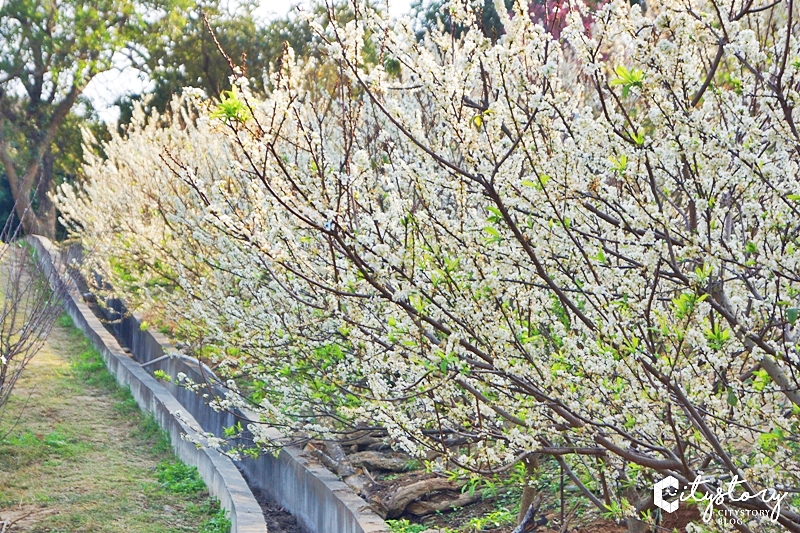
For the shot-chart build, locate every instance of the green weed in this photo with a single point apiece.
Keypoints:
(180, 478)
(65, 321)
(219, 521)
(149, 430)
(498, 518)
(404, 526)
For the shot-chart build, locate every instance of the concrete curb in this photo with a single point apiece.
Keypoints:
(221, 477)
(320, 501)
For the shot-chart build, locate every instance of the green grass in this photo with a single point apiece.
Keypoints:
(179, 477)
(82, 457)
(498, 518)
(404, 526)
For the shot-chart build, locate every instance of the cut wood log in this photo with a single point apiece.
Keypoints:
(391, 462)
(362, 440)
(425, 508)
(377, 505)
(400, 499)
(356, 482)
(446, 501)
(341, 467)
(379, 445)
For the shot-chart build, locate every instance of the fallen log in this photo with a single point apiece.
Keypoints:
(341, 464)
(396, 503)
(391, 462)
(335, 459)
(361, 441)
(425, 508)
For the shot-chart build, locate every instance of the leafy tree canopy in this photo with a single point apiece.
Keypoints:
(49, 52)
(183, 53)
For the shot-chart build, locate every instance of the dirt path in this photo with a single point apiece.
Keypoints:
(83, 458)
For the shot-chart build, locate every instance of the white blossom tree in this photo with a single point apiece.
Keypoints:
(583, 246)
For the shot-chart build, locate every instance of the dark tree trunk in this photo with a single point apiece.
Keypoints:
(46, 209)
(531, 463)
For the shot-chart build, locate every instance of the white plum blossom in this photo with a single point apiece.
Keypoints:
(583, 246)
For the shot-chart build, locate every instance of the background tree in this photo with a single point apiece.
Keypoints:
(49, 52)
(182, 52)
(434, 15)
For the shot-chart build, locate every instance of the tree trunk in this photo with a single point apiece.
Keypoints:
(634, 525)
(531, 463)
(46, 209)
(20, 189)
(24, 188)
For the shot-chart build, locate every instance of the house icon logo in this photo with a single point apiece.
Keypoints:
(658, 494)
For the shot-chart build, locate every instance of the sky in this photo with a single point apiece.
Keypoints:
(281, 7)
(105, 88)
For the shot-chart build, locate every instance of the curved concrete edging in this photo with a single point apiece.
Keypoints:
(318, 499)
(221, 477)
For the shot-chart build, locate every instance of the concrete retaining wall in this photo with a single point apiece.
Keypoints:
(317, 498)
(218, 472)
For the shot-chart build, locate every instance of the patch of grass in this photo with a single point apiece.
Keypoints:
(413, 464)
(64, 321)
(83, 458)
(149, 430)
(218, 521)
(180, 478)
(27, 448)
(498, 518)
(404, 526)
(90, 368)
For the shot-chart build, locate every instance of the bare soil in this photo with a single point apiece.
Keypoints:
(278, 519)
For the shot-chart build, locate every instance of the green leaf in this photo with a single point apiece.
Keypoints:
(761, 380)
(538, 185)
(163, 376)
(733, 400)
(627, 79)
(620, 164)
(496, 216)
(791, 315)
(600, 257)
(231, 108)
(495, 235)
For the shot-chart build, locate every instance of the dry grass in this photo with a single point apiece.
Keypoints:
(82, 457)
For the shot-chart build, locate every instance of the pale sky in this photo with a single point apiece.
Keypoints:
(105, 88)
(281, 7)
